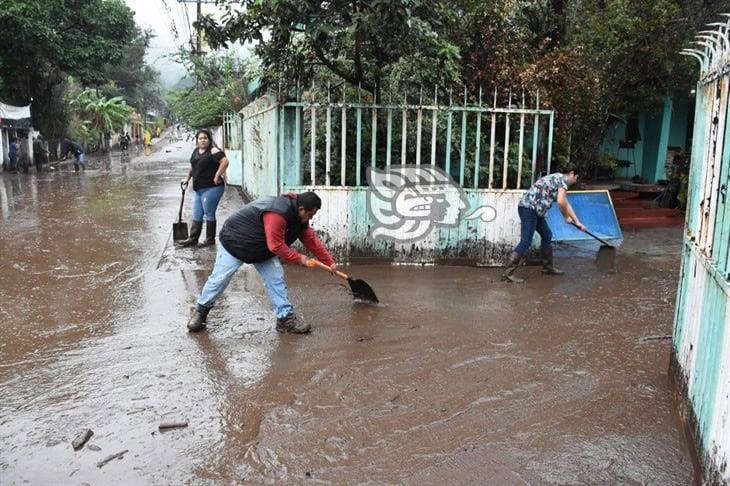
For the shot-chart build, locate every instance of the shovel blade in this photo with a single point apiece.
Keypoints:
(179, 231)
(606, 258)
(362, 291)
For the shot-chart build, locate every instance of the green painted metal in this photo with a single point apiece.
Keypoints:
(419, 126)
(440, 108)
(661, 156)
(404, 138)
(374, 139)
(343, 148)
(521, 147)
(709, 358)
(506, 152)
(298, 143)
(462, 158)
(313, 146)
(703, 298)
(449, 121)
(550, 143)
(358, 148)
(492, 144)
(328, 147)
(434, 126)
(478, 151)
(721, 238)
(698, 148)
(290, 156)
(389, 138)
(535, 137)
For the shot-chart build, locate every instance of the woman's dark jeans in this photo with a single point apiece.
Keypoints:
(531, 222)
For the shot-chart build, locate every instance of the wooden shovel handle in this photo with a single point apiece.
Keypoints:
(321, 265)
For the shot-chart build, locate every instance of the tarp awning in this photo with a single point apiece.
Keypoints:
(15, 116)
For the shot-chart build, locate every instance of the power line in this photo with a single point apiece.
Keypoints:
(173, 27)
(198, 42)
(180, 10)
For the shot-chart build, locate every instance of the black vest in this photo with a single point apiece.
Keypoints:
(243, 233)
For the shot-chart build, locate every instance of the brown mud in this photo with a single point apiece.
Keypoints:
(455, 378)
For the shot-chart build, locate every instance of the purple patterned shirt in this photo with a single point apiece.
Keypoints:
(543, 193)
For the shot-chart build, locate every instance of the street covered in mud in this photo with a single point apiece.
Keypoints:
(454, 378)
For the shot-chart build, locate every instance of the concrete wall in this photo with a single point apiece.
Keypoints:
(234, 173)
(664, 127)
(344, 223)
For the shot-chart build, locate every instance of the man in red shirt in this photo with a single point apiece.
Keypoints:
(261, 233)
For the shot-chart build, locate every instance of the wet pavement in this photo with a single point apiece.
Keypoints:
(456, 378)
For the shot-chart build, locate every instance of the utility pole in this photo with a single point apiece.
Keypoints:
(197, 19)
(198, 41)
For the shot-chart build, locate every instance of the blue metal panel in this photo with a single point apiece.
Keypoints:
(595, 210)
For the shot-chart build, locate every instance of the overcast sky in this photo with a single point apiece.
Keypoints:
(172, 29)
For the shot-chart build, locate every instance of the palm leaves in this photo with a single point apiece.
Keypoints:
(98, 116)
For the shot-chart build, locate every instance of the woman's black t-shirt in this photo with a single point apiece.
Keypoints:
(205, 166)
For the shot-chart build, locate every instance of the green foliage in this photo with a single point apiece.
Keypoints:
(97, 116)
(132, 78)
(221, 88)
(587, 58)
(362, 42)
(44, 41)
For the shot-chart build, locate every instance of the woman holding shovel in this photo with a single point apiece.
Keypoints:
(532, 209)
(208, 164)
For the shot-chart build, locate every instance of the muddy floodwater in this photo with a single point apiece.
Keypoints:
(455, 378)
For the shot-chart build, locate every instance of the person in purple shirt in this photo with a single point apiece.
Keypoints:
(532, 209)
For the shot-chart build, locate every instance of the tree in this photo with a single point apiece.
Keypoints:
(44, 41)
(132, 78)
(221, 87)
(359, 41)
(99, 116)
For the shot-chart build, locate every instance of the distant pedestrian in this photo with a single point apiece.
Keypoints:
(532, 209)
(208, 165)
(40, 153)
(14, 154)
(124, 141)
(74, 148)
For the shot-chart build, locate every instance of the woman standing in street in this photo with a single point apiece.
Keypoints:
(208, 164)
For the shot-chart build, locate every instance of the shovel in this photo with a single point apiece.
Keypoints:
(180, 229)
(606, 258)
(360, 288)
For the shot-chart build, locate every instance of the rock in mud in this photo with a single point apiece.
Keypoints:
(173, 425)
(82, 438)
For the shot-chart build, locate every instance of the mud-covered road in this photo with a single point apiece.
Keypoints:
(456, 378)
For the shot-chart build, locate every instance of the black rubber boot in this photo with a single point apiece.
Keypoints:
(196, 228)
(512, 264)
(209, 234)
(198, 318)
(292, 325)
(547, 262)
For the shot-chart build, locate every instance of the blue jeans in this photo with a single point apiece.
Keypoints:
(80, 160)
(206, 202)
(226, 265)
(529, 223)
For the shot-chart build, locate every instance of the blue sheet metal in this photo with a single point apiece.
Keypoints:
(595, 211)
